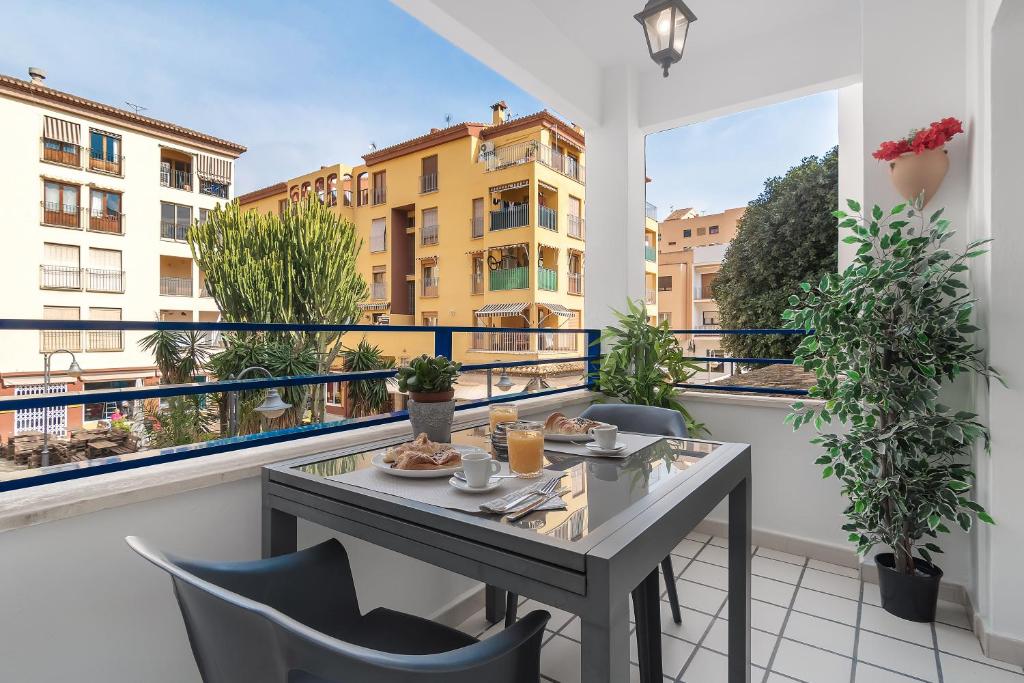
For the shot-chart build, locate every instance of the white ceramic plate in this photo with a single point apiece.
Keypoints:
(594, 448)
(493, 483)
(378, 462)
(548, 436)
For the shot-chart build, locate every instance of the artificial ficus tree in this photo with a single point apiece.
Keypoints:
(887, 332)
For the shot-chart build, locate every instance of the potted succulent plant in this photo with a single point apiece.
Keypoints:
(430, 385)
(885, 334)
(919, 162)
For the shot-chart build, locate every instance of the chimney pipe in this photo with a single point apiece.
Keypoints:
(37, 75)
(498, 110)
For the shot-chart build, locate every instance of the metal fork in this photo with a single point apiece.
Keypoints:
(532, 507)
(549, 487)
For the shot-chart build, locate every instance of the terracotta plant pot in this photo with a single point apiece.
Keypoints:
(432, 396)
(916, 173)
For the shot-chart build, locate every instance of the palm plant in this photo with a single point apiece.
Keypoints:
(179, 355)
(643, 364)
(371, 396)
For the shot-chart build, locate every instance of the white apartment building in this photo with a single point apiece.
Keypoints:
(95, 204)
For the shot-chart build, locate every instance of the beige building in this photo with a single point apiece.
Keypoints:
(690, 252)
(96, 204)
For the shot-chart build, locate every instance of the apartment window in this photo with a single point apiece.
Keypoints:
(380, 193)
(306, 187)
(713, 230)
(429, 231)
(105, 340)
(294, 193)
(709, 317)
(175, 169)
(665, 283)
(54, 340)
(665, 318)
(332, 189)
(61, 267)
(204, 215)
(282, 207)
(701, 231)
(346, 189)
(477, 280)
(104, 273)
(321, 191)
(60, 205)
(362, 189)
(478, 218)
(430, 319)
(575, 217)
(105, 211)
(430, 280)
(378, 284)
(378, 235)
(61, 141)
(428, 177)
(687, 233)
(104, 152)
(174, 221)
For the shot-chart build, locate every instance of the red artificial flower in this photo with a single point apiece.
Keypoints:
(888, 151)
(932, 137)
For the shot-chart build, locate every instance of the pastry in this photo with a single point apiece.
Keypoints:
(422, 454)
(557, 423)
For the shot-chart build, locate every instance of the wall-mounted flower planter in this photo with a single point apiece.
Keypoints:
(913, 174)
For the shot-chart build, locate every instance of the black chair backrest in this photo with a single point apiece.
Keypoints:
(243, 622)
(641, 419)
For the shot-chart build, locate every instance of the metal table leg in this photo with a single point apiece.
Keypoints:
(739, 583)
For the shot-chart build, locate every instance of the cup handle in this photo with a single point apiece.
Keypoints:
(494, 467)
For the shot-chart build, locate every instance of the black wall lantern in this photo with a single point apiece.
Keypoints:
(665, 25)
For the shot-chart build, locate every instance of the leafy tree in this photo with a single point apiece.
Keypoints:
(367, 397)
(299, 267)
(786, 236)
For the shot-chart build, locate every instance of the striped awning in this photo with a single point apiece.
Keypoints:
(499, 310)
(559, 310)
(568, 141)
(510, 186)
(375, 306)
(107, 133)
(214, 169)
(547, 186)
(61, 130)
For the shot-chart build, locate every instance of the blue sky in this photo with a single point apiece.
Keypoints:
(303, 84)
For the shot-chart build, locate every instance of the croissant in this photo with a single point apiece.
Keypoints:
(557, 423)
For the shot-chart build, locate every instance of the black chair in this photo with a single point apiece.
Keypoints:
(295, 619)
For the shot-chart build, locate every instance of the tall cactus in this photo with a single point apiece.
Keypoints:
(299, 267)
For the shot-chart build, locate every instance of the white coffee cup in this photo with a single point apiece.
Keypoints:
(606, 436)
(478, 467)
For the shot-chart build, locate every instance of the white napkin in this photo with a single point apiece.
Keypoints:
(500, 505)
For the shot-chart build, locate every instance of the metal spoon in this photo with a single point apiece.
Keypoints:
(462, 475)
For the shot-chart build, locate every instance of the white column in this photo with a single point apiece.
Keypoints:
(614, 266)
(851, 161)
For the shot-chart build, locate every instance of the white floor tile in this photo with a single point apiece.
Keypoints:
(959, 669)
(707, 574)
(878, 620)
(952, 613)
(720, 541)
(867, 673)
(958, 641)
(475, 625)
(851, 572)
(693, 627)
(824, 634)
(687, 548)
(775, 569)
(699, 597)
(761, 644)
(780, 556)
(697, 536)
(811, 664)
(763, 616)
(770, 590)
(674, 654)
(897, 655)
(705, 667)
(714, 554)
(843, 586)
(827, 606)
(871, 594)
(559, 617)
(572, 629)
(560, 660)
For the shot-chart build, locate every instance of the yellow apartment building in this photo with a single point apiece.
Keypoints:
(651, 232)
(690, 253)
(476, 225)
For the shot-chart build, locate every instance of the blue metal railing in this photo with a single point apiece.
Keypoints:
(442, 338)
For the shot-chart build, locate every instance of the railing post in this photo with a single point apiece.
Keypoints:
(593, 358)
(443, 342)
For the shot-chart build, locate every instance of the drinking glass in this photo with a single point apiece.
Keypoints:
(526, 449)
(502, 412)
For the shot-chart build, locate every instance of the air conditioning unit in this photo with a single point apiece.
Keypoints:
(486, 149)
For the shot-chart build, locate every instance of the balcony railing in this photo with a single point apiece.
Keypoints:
(510, 278)
(104, 280)
(547, 279)
(55, 340)
(701, 292)
(650, 297)
(105, 340)
(179, 180)
(216, 189)
(63, 153)
(175, 286)
(62, 215)
(708, 326)
(574, 226)
(651, 253)
(501, 341)
(112, 164)
(110, 223)
(378, 291)
(547, 218)
(511, 217)
(204, 291)
(363, 196)
(428, 183)
(557, 341)
(562, 163)
(477, 283)
(60, 277)
(171, 230)
(380, 195)
(430, 285)
(651, 211)
(476, 227)
(576, 283)
(529, 151)
(428, 235)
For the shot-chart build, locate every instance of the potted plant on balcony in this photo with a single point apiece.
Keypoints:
(886, 333)
(430, 385)
(919, 162)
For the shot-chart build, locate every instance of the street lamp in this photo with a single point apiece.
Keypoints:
(272, 406)
(504, 382)
(665, 25)
(74, 370)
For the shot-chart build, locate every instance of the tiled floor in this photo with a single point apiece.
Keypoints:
(812, 622)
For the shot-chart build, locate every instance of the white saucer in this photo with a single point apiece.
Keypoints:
(597, 449)
(492, 483)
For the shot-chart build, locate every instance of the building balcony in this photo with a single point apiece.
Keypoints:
(61, 215)
(511, 217)
(650, 253)
(62, 153)
(429, 286)
(57, 340)
(109, 223)
(429, 235)
(175, 286)
(178, 180)
(110, 164)
(506, 156)
(428, 183)
(502, 342)
(380, 195)
(576, 283)
(574, 226)
(213, 188)
(105, 340)
(650, 210)
(510, 278)
(547, 218)
(104, 280)
(547, 279)
(171, 230)
(476, 227)
(558, 341)
(378, 291)
(60, 277)
(650, 297)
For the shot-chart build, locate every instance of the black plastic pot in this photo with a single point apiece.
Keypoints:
(909, 596)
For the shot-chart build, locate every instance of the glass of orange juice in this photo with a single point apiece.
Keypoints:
(502, 412)
(526, 448)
